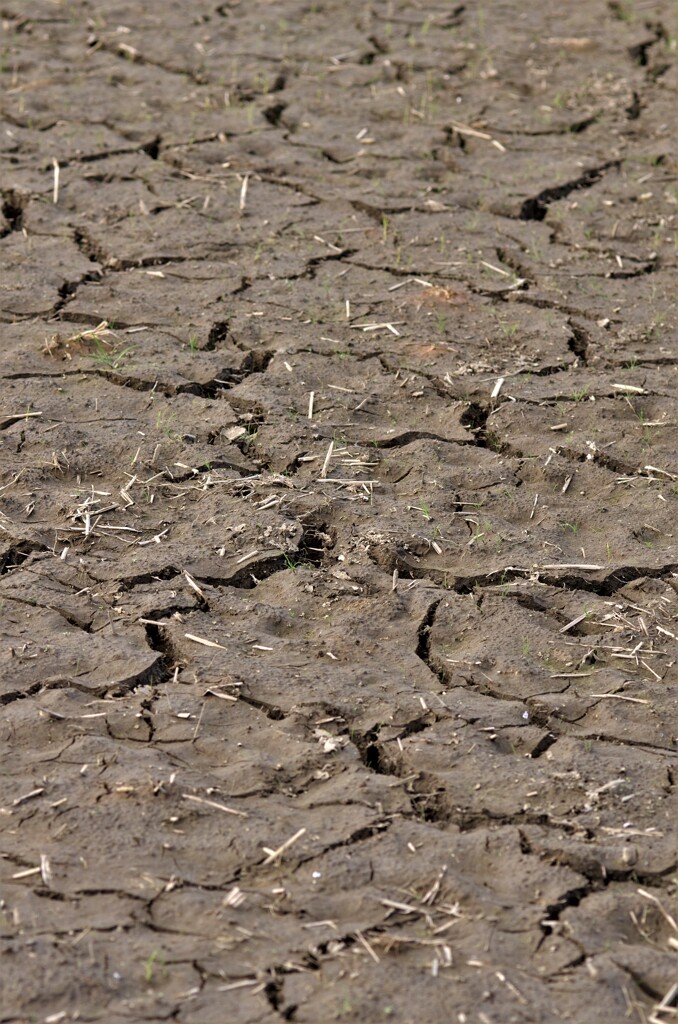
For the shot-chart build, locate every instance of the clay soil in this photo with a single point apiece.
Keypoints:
(338, 485)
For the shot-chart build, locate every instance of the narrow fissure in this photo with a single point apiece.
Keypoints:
(536, 207)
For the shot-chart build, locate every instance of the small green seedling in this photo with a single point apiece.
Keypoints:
(156, 957)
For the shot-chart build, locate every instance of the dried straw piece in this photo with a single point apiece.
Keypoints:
(274, 855)
(326, 463)
(365, 944)
(243, 193)
(203, 641)
(574, 622)
(671, 921)
(191, 582)
(214, 804)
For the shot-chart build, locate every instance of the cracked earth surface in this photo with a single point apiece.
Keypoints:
(338, 482)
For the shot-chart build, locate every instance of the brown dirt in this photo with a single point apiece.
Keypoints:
(338, 483)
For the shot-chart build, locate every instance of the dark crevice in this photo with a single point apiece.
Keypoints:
(536, 207)
(328, 155)
(409, 436)
(377, 758)
(17, 553)
(434, 806)
(274, 113)
(93, 158)
(154, 675)
(643, 983)
(572, 898)
(389, 557)
(134, 56)
(68, 290)
(209, 467)
(218, 334)
(152, 148)
(120, 263)
(625, 741)
(97, 254)
(151, 675)
(580, 126)
(579, 342)
(543, 745)
(14, 695)
(8, 421)
(251, 416)
(272, 711)
(635, 107)
(474, 418)
(245, 284)
(84, 624)
(640, 53)
(509, 260)
(159, 641)
(361, 835)
(13, 206)
(314, 545)
(89, 248)
(137, 384)
(605, 588)
(603, 459)
(533, 300)
(279, 83)
(169, 572)
(455, 18)
(656, 72)
(312, 265)
(368, 750)
(618, 10)
(550, 371)
(209, 389)
(378, 213)
(379, 45)
(273, 990)
(249, 575)
(256, 361)
(625, 275)
(423, 649)
(532, 602)
(472, 820)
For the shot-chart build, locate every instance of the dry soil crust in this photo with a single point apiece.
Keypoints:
(338, 484)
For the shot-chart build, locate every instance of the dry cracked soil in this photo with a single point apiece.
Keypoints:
(338, 484)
